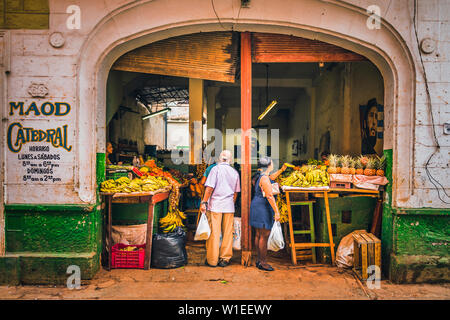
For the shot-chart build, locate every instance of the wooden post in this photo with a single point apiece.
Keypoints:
(246, 125)
(312, 124)
(196, 100)
(149, 236)
(346, 122)
(330, 233)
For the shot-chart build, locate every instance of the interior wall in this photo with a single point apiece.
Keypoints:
(329, 107)
(120, 124)
(129, 125)
(299, 128)
(365, 83)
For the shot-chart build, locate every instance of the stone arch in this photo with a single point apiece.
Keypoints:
(335, 22)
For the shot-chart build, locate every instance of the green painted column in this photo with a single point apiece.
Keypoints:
(387, 217)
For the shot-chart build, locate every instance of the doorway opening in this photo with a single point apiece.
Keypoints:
(329, 104)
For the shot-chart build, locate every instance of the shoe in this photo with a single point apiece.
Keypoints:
(261, 267)
(223, 263)
(257, 264)
(207, 264)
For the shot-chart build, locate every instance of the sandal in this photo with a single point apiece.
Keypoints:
(268, 268)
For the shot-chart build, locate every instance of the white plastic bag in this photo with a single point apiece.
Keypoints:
(276, 241)
(345, 251)
(203, 230)
(237, 233)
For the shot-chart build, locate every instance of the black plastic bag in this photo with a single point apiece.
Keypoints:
(169, 249)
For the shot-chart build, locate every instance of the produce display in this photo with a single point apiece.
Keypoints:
(174, 217)
(125, 185)
(200, 170)
(282, 208)
(306, 176)
(196, 188)
(362, 165)
(119, 167)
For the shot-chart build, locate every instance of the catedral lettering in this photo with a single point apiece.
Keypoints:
(17, 136)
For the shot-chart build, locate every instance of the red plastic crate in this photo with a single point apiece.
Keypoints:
(127, 259)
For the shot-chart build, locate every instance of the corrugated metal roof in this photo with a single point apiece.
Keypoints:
(209, 56)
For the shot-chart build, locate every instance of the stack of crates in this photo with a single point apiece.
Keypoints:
(347, 214)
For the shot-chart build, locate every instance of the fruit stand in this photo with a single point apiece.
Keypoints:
(151, 197)
(311, 182)
(151, 185)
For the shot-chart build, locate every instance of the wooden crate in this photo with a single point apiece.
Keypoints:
(367, 252)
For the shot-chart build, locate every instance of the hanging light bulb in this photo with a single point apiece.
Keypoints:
(269, 107)
(147, 116)
(273, 103)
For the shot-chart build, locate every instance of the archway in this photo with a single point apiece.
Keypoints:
(129, 27)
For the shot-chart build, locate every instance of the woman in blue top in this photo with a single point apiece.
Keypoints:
(263, 210)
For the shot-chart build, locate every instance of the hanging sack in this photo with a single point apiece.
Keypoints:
(129, 235)
(203, 230)
(345, 251)
(276, 240)
(169, 249)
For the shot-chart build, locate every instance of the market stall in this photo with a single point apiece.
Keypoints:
(305, 185)
(150, 185)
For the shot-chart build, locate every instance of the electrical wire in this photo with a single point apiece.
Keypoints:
(433, 180)
(239, 12)
(214, 8)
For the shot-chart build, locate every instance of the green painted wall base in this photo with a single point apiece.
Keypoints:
(420, 246)
(419, 269)
(45, 268)
(42, 241)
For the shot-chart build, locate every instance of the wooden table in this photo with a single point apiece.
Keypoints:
(318, 191)
(151, 198)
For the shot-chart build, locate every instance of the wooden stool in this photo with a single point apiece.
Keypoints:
(296, 252)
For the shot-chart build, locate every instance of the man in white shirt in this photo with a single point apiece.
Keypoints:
(222, 186)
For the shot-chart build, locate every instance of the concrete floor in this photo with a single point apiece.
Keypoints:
(196, 281)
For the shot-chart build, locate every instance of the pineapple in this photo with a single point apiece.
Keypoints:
(359, 167)
(345, 164)
(339, 164)
(381, 164)
(333, 160)
(370, 167)
(364, 160)
(351, 165)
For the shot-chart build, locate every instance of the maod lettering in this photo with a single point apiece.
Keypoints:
(18, 135)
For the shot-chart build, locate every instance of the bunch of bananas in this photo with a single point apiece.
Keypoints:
(152, 183)
(174, 217)
(115, 185)
(282, 208)
(307, 176)
(123, 184)
(131, 248)
(172, 220)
